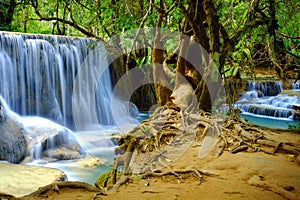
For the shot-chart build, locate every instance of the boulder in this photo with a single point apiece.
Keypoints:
(48, 139)
(63, 153)
(20, 180)
(12, 139)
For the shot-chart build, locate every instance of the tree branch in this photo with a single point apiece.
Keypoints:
(288, 36)
(247, 26)
(73, 24)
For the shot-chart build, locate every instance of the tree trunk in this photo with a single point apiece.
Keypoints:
(6, 14)
(208, 89)
(181, 63)
(162, 86)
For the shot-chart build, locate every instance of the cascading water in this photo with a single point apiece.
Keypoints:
(38, 75)
(296, 86)
(263, 102)
(65, 80)
(267, 88)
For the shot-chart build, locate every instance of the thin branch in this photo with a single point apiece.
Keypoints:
(73, 24)
(288, 36)
(138, 32)
(247, 26)
(171, 8)
(291, 53)
(128, 9)
(82, 5)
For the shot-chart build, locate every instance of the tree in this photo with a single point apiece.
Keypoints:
(230, 31)
(7, 8)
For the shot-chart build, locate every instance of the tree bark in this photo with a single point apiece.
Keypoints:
(162, 86)
(207, 89)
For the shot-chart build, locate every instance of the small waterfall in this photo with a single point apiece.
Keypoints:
(39, 74)
(268, 99)
(267, 88)
(296, 86)
(277, 106)
(48, 139)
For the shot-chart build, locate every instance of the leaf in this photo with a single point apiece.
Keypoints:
(235, 71)
(255, 145)
(248, 53)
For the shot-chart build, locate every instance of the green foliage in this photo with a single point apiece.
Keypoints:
(293, 127)
(138, 178)
(105, 18)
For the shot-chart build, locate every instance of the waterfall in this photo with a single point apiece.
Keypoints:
(268, 99)
(296, 86)
(39, 74)
(267, 88)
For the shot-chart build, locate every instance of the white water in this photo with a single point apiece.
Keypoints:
(271, 111)
(296, 86)
(66, 80)
(267, 88)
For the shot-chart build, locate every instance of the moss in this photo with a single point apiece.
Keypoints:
(138, 178)
(102, 180)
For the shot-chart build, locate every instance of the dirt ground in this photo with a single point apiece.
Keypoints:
(225, 177)
(227, 180)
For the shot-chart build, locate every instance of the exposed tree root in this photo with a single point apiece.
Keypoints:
(258, 182)
(123, 180)
(197, 173)
(59, 185)
(170, 126)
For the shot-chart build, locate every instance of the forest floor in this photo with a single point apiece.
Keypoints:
(243, 175)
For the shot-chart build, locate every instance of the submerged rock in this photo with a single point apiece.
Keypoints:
(48, 139)
(12, 139)
(63, 153)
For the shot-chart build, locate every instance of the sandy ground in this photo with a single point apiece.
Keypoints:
(232, 173)
(225, 177)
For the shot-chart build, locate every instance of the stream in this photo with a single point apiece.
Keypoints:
(98, 145)
(267, 104)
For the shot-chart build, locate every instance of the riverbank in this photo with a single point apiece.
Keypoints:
(20, 180)
(229, 176)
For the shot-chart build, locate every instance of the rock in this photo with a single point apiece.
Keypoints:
(183, 96)
(12, 139)
(296, 107)
(62, 153)
(298, 159)
(20, 180)
(260, 93)
(48, 139)
(91, 162)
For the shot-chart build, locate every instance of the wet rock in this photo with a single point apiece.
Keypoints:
(91, 162)
(48, 139)
(62, 153)
(260, 93)
(12, 139)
